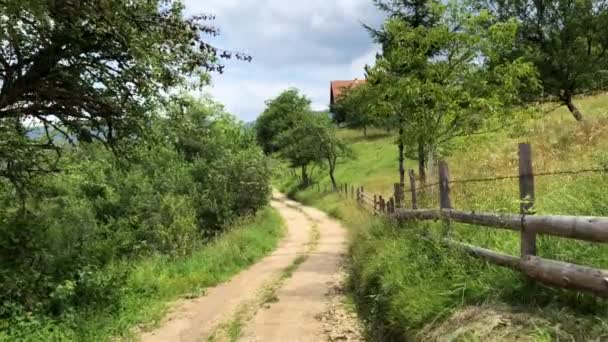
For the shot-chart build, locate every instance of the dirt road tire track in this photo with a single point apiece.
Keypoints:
(304, 303)
(195, 319)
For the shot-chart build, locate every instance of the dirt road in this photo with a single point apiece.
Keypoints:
(292, 295)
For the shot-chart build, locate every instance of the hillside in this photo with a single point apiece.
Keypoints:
(407, 286)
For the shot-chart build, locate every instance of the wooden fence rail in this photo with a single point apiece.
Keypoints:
(550, 272)
(594, 229)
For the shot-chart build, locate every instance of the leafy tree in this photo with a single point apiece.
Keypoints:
(353, 110)
(313, 140)
(566, 40)
(298, 145)
(229, 168)
(281, 113)
(414, 13)
(464, 88)
(91, 70)
(197, 171)
(330, 147)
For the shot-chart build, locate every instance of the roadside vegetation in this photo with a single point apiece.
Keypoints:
(151, 283)
(81, 243)
(466, 82)
(118, 192)
(406, 284)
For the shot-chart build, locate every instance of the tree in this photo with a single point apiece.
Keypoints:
(565, 39)
(329, 146)
(313, 140)
(414, 13)
(352, 108)
(464, 88)
(281, 114)
(91, 70)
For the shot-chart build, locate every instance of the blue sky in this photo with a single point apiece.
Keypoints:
(303, 44)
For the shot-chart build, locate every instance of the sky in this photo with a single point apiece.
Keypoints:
(294, 43)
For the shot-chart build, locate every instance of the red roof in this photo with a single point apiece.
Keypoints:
(338, 87)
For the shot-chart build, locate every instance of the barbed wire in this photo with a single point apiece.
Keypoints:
(499, 178)
(364, 195)
(541, 174)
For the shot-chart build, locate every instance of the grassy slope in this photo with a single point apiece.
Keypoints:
(403, 282)
(155, 282)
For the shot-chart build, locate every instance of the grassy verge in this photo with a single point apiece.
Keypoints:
(154, 282)
(407, 285)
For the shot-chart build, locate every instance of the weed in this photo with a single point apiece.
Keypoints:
(154, 282)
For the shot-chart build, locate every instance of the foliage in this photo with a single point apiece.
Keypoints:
(185, 184)
(91, 70)
(415, 13)
(225, 159)
(446, 81)
(154, 281)
(354, 109)
(312, 140)
(281, 114)
(403, 284)
(566, 41)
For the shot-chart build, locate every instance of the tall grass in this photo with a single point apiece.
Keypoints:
(154, 282)
(405, 282)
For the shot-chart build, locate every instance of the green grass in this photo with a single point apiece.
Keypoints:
(155, 282)
(405, 283)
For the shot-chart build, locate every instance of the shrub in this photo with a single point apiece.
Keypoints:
(58, 247)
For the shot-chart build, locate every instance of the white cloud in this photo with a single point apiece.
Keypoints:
(303, 44)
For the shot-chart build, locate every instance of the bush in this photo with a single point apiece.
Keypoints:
(57, 247)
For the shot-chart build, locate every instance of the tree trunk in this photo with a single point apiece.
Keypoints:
(364, 131)
(401, 158)
(422, 163)
(573, 109)
(332, 168)
(304, 176)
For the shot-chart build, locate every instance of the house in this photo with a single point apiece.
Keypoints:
(338, 87)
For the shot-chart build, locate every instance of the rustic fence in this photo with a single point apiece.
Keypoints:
(550, 272)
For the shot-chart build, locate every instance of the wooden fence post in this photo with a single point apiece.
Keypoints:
(391, 206)
(382, 204)
(358, 196)
(397, 196)
(526, 194)
(352, 190)
(413, 190)
(444, 186)
(375, 202)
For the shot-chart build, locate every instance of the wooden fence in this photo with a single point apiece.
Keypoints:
(550, 272)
